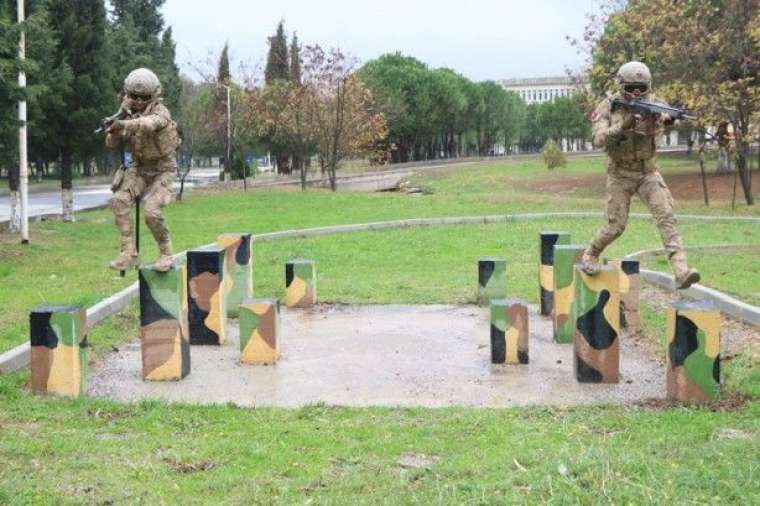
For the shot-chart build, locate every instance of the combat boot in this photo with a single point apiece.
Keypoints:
(590, 263)
(125, 261)
(165, 260)
(685, 276)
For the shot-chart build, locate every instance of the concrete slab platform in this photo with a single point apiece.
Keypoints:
(431, 355)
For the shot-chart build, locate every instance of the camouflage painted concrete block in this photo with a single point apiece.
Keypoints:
(597, 324)
(239, 258)
(547, 240)
(164, 343)
(259, 331)
(492, 279)
(207, 280)
(509, 331)
(693, 352)
(565, 258)
(300, 283)
(630, 293)
(58, 360)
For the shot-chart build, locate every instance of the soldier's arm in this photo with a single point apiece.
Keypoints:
(113, 139)
(602, 128)
(152, 122)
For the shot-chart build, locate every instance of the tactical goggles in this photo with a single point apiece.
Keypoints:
(135, 96)
(632, 88)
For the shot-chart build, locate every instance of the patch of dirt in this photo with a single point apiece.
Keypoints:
(108, 415)
(729, 433)
(727, 402)
(416, 460)
(682, 186)
(189, 467)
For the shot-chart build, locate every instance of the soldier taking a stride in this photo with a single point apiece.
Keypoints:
(630, 141)
(149, 134)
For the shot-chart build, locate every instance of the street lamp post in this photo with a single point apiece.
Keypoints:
(22, 143)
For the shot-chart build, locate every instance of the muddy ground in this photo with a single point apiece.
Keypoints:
(683, 186)
(432, 355)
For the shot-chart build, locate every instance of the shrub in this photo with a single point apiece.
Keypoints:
(553, 155)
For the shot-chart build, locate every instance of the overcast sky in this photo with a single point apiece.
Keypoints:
(481, 39)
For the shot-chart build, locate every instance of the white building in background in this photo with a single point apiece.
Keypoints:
(541, 89)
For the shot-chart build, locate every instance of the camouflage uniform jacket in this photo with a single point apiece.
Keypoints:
(630, 150)
(151, 137)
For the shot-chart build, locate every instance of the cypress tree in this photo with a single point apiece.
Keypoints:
(223, 74)
(295, 60)
(277, 59)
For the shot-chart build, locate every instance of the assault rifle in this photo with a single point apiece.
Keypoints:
(105, 123)
(646, 108)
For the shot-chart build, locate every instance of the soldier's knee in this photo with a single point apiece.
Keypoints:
(615, 230)
(153, 215)
(121, 201)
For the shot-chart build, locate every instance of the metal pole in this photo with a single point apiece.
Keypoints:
(22, 144)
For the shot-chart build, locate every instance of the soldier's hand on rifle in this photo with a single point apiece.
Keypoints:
(630, 121)
(116, 126)
(666, 118)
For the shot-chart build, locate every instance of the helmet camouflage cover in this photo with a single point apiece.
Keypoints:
(634, 72)
(144, 82)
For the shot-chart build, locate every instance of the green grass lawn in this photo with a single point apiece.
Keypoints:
(89, 451)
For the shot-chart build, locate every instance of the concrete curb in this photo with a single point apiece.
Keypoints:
(18, 357)
(729, 305)
(717, 247)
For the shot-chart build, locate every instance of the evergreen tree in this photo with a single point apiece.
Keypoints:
(277, 59)
(136, 40)
(222, 96)
(223, 74)
(144, 14)
(295, 60)
(168, 71)
(79, 30)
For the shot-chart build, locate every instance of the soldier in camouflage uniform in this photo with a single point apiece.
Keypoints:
(149, 133)
(631, 144)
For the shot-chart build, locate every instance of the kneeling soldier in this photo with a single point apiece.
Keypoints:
(149, 134)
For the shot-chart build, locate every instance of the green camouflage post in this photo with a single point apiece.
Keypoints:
(565, 257)
(597, 317)
(239, 258)
(259, 329)
(492, 279)
(58, 358)
(206, 286)
(545, 268)
(164, 341)
(693, 352)
(300, 283)
(509, 331)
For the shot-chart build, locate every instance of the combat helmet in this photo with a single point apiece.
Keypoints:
(635, 73)
(143, 82)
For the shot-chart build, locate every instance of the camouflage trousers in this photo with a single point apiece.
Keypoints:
(156, 190)
(653, 191)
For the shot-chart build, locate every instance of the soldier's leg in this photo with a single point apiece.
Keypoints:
(122, 203)
(656, 194)
(619, 192)
(158, 195)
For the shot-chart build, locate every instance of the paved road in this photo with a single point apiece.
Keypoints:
(85, 197)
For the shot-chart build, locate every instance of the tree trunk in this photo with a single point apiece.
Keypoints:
(14, 225)
(67, 195)
(745, 175)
